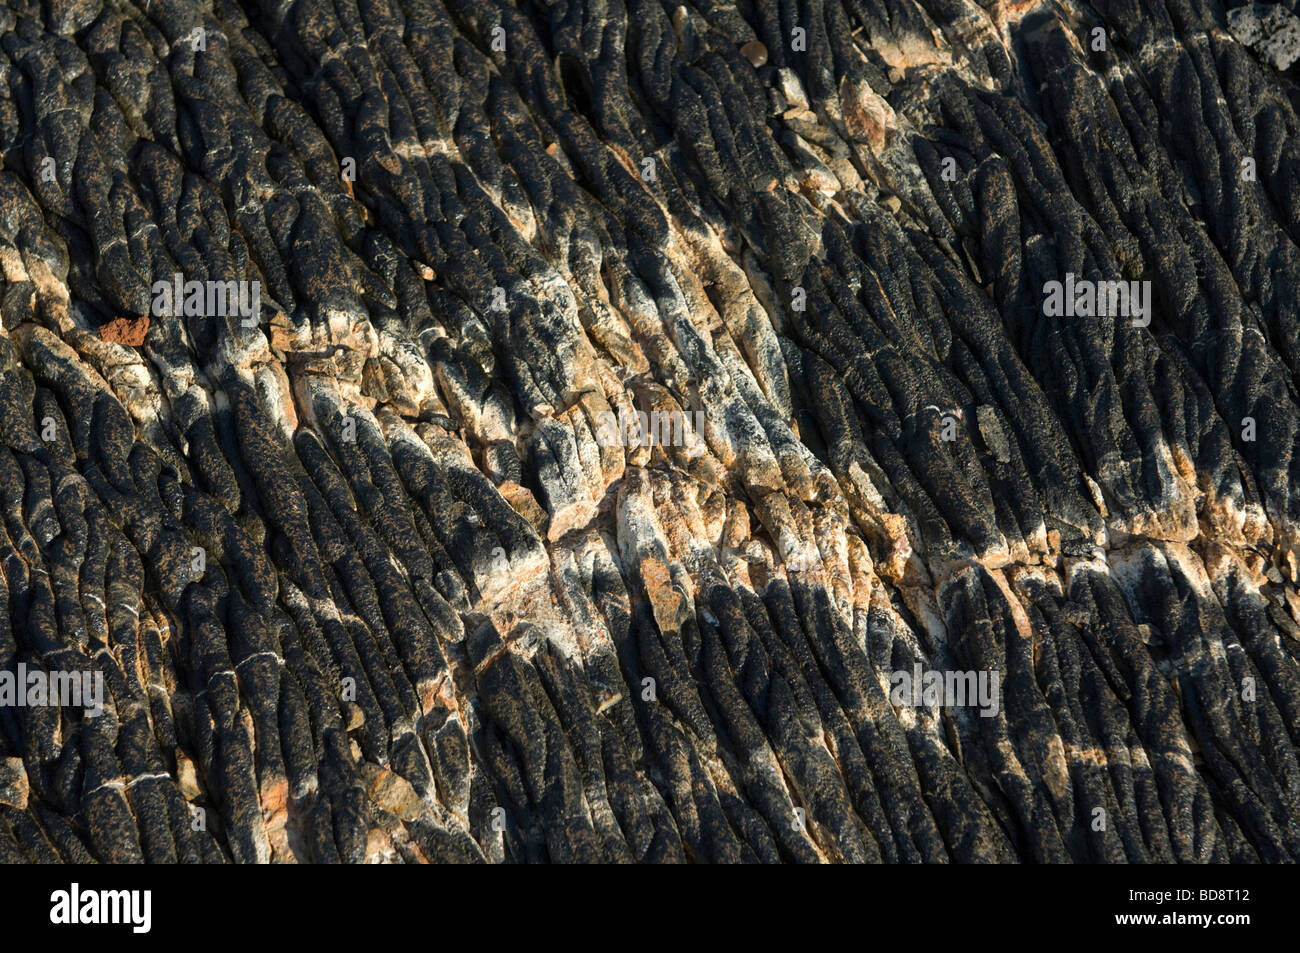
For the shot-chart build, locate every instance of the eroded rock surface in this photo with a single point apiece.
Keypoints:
(635, 390)
(1272, 30)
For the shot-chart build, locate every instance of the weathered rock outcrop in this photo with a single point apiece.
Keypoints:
(495, 430)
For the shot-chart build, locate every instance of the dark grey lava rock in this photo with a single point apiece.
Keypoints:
(782, 431)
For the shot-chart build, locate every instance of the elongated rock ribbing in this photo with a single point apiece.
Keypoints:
(624, 431)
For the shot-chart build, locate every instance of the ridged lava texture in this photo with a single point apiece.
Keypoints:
(387, 570)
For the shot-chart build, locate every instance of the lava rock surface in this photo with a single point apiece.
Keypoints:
(366, 577)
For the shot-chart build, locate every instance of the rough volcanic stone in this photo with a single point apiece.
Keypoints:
(622, 431)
